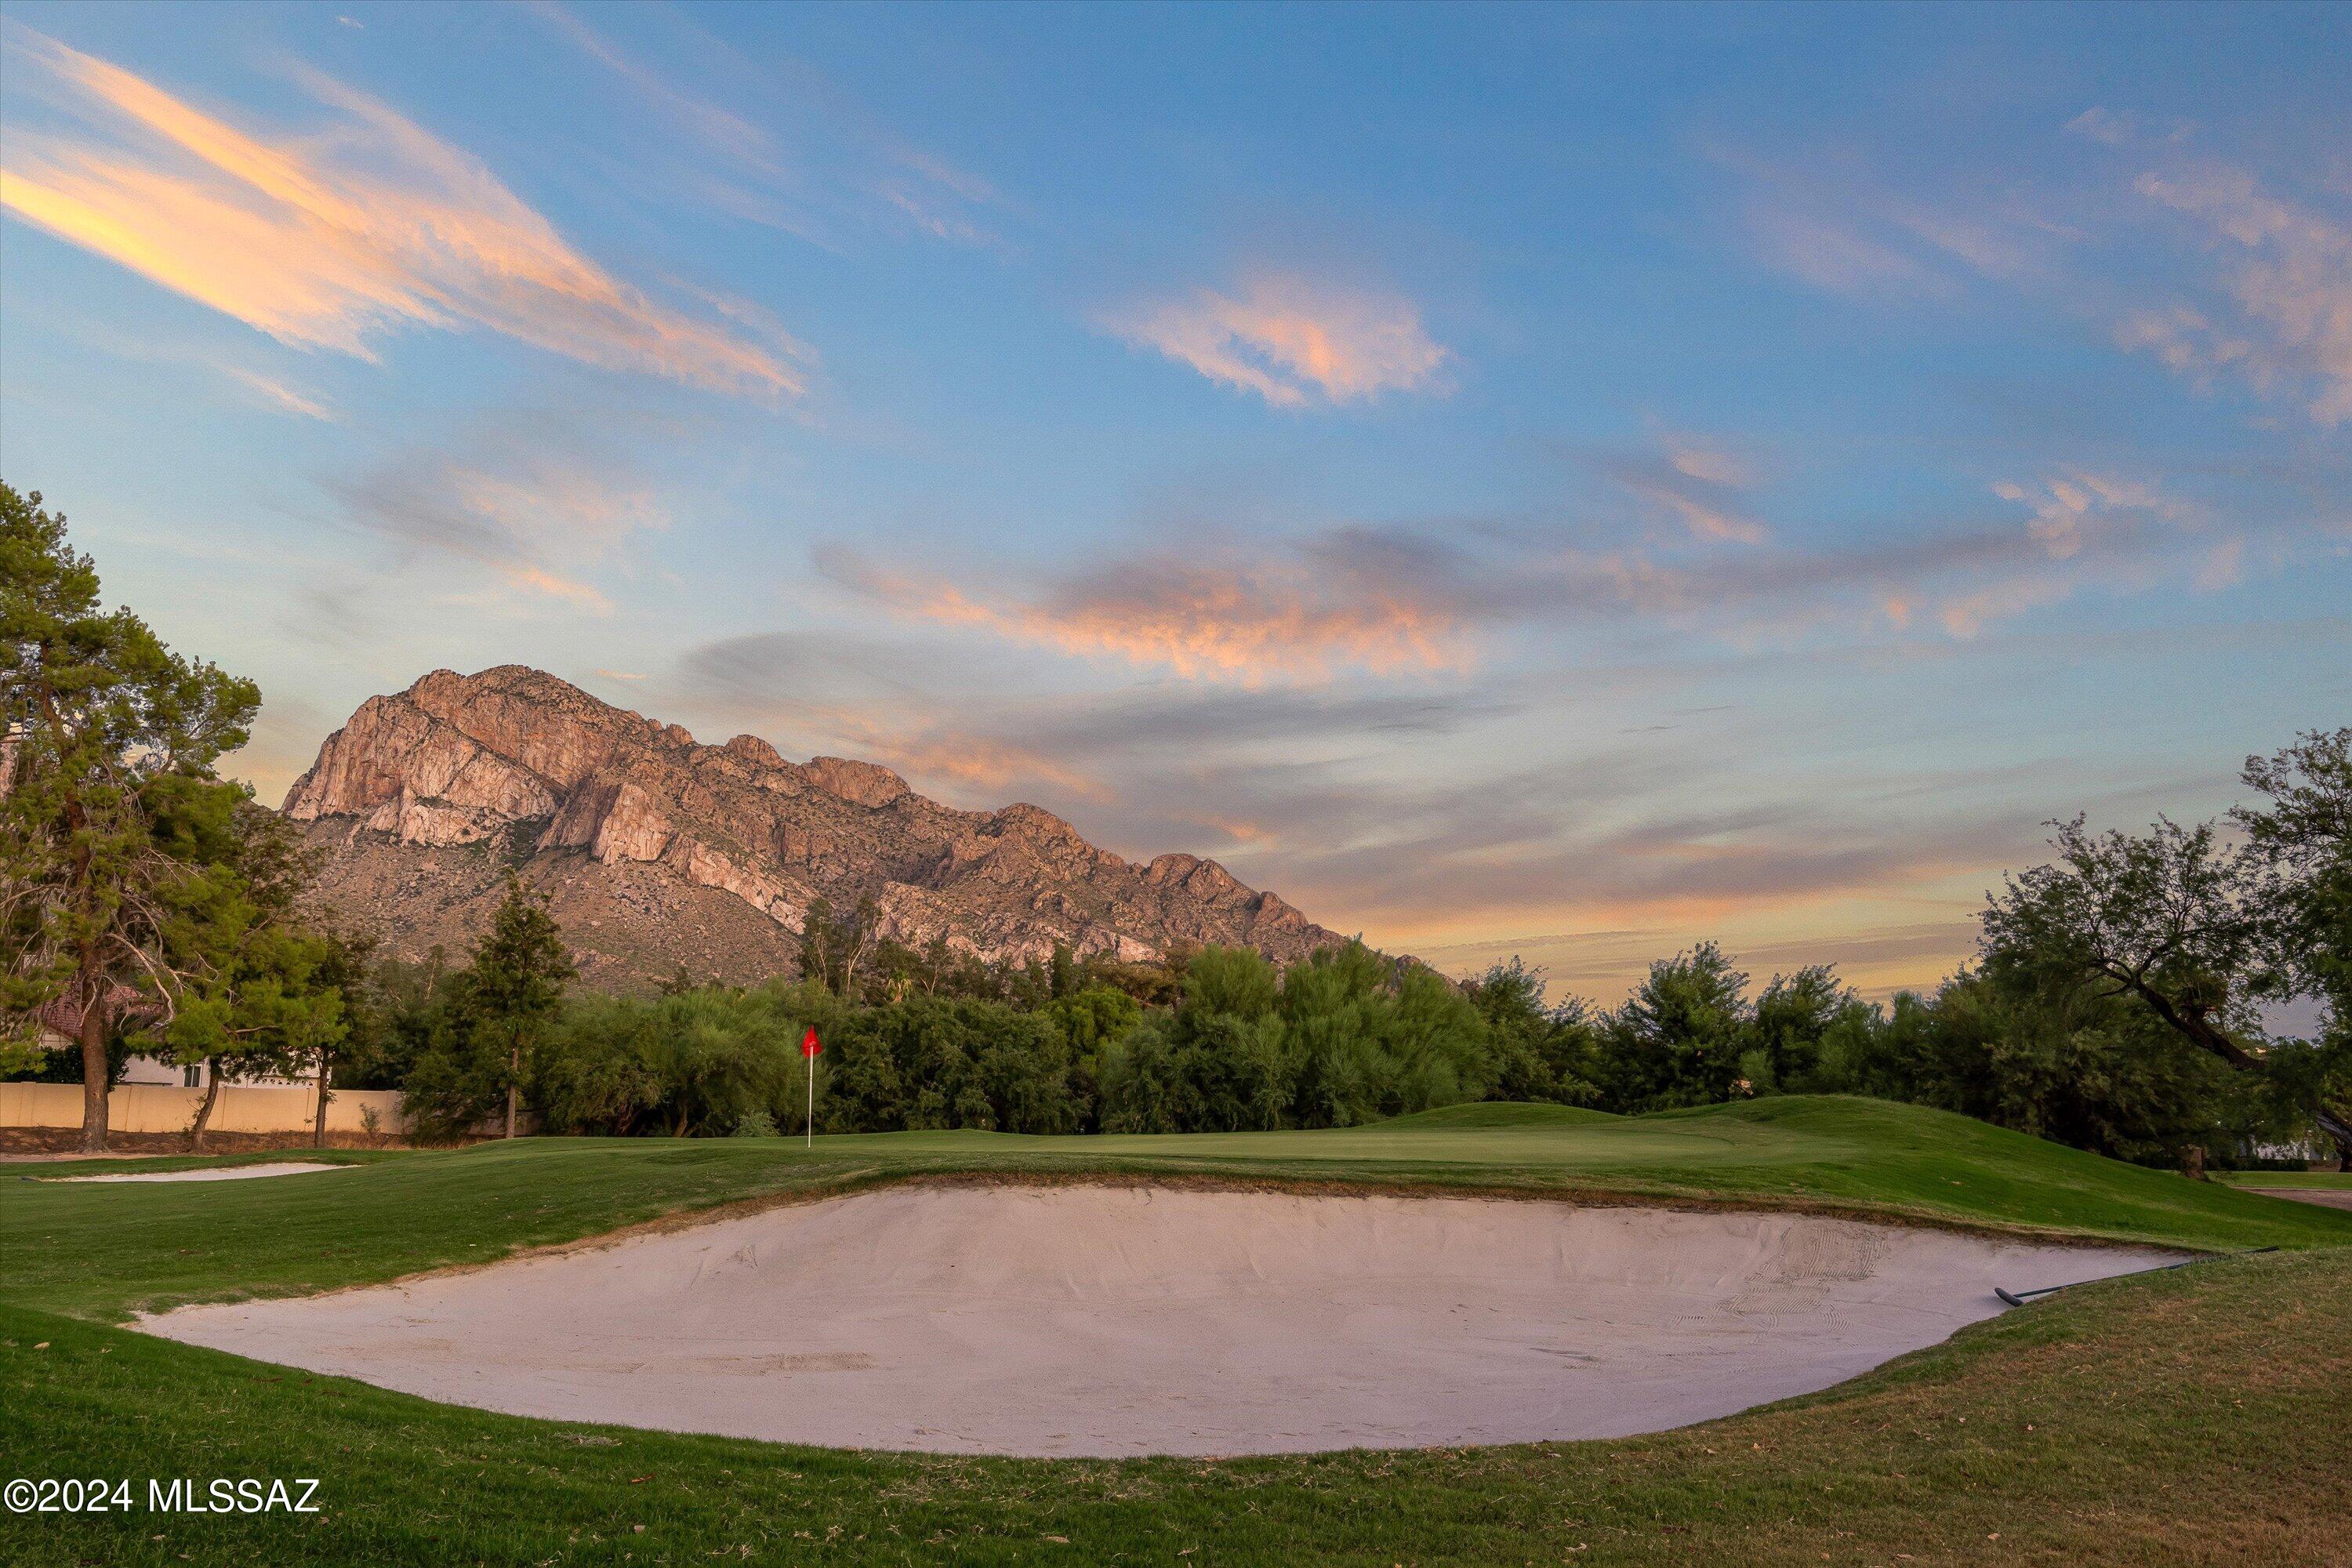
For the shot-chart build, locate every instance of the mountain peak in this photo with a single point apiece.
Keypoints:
(659, 850)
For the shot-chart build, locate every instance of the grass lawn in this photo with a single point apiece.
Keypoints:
(2177, 1417)
(2339, 1181)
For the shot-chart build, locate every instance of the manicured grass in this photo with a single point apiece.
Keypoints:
(2189, 1416)
(2183, 1416)
(2338, 1180)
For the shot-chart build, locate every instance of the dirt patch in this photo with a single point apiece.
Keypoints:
(2329, 1197)
(68, 1140)
(1105, 1320)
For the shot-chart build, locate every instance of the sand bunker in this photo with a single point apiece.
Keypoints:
(224, 1173)
(1112, 1320)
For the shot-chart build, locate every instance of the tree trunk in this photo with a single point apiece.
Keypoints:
(318, 1124)
(93, 1075)
(514, 1071)
(2193, 1024)
(204, 1107)
(2339, 1131)
(2192, 1162)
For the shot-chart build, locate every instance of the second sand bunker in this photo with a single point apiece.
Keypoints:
(1114, 1321)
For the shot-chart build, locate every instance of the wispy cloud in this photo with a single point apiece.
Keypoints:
(532, 498)
(1346, 603)
(2092, 527)
(1427, 600)
(776, 144)
(1292, 340)
(332, 242)
(2290, 281)
(276, 394)
(1835, 254)
(1701, 487)
(848, 694)
(716, 127)
(1838, 229)
(2278, 317)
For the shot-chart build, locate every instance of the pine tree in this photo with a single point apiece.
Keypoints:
(517, 980)
(107, 802)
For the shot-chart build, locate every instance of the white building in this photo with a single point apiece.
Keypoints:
(58, 1028)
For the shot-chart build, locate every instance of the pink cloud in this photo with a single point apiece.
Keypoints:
(2293, 287)
(1292, 341)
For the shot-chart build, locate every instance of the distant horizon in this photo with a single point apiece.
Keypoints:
(1565, 481)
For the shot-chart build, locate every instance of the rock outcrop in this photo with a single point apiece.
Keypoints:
(659, 851)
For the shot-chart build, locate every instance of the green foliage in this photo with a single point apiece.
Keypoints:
(262, 990)
(1803, 1025)
(2193, 931)
(2064, 1062)
(936, 1063)
(1541, 1052)
(134, 884)
(1341, 1039)
(1679, 1039)
(2300, 846)
(496, 1013)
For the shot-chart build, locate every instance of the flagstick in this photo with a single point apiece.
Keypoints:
(808, 1124)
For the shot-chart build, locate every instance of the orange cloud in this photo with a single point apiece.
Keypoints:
(1252, 622)
(539, 580)
(1292, 341)
(330, 243)
(984, 764)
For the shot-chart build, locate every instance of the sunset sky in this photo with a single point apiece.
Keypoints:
(1567, 482)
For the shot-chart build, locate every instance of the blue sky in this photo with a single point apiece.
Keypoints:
(1563, 482)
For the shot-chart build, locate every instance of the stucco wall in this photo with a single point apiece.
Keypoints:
(241, 1108)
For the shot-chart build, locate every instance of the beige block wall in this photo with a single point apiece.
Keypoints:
(241, 1108)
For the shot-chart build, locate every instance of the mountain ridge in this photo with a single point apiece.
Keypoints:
(659, 850)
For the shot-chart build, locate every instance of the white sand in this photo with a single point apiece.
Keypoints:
(1109, 1321)
(222, 1174)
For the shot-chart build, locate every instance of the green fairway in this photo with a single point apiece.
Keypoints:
(2085, 1426)
(2338, 1181)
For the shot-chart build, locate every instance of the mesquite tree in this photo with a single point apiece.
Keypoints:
(2176, 919)
(111, 740)
(2301, 848)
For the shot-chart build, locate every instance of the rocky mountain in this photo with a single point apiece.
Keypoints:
(659, 851)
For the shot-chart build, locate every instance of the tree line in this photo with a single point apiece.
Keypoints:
(2116, 1002)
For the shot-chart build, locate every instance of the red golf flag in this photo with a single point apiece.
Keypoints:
(809, 1045)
